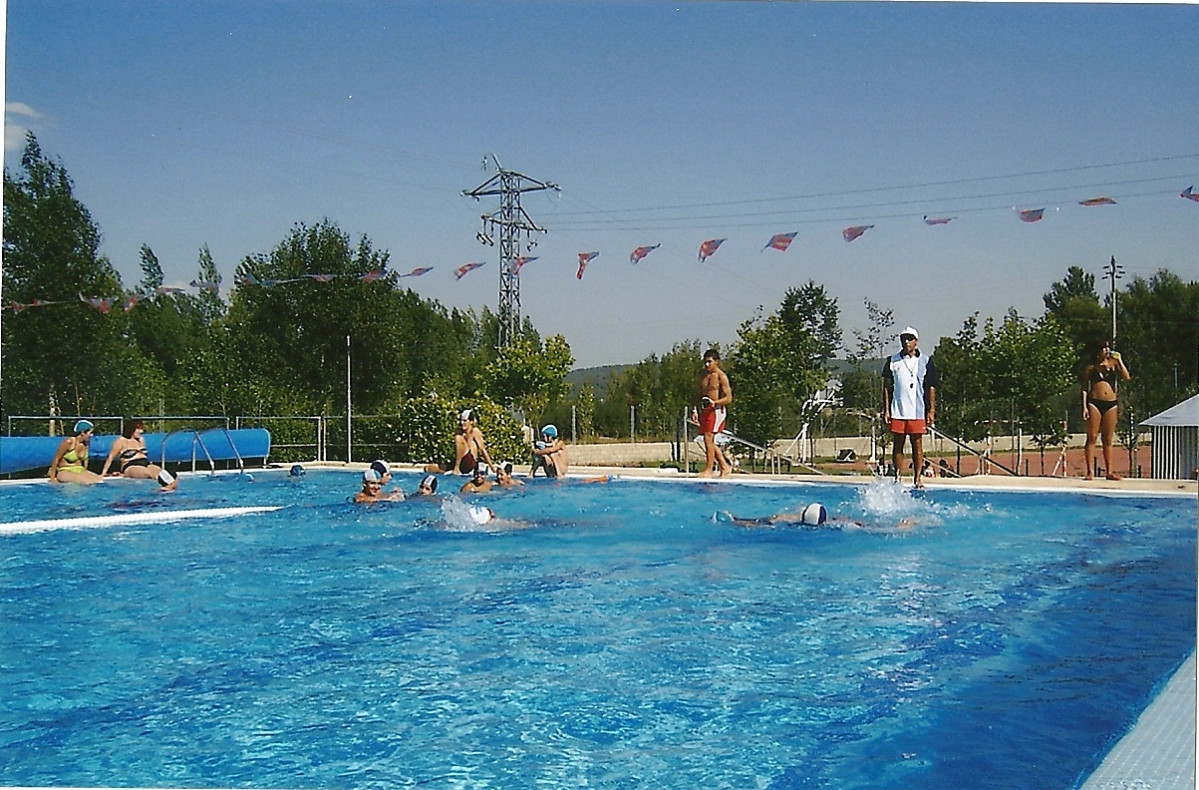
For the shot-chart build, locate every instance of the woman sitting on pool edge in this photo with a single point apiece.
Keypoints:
(129, 450)
(70, 459)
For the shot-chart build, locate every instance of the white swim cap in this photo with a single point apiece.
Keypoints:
(814, 514)
(481, 515)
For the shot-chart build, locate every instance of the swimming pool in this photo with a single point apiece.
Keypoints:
(610, 635)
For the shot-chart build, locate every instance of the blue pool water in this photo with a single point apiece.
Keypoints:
(604, 635)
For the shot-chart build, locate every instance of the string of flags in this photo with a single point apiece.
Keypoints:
(779, 242)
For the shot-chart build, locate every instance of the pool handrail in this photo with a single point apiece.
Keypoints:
(198, 439)
(970, 449)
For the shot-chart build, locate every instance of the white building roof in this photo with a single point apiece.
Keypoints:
(1183, 415)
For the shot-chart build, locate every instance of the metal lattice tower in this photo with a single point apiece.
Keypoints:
(515, 229)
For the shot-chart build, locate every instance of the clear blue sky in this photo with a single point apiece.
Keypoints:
(187, 123)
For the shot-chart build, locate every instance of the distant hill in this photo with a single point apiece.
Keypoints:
(596, 377)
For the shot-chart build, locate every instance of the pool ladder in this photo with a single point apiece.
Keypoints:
(198, 439)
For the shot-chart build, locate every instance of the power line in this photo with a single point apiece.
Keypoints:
(894, 187)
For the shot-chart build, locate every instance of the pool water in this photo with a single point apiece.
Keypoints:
(598, 635)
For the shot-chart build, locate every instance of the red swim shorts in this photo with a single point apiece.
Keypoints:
(908, 427)
(711, 419)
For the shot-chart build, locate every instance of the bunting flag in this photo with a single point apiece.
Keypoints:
(1190, 194)
(132, 301)
(321, 278)
(204, 285)
(103, 305)
(18, 306)
(417, 272)
(1097, 201)
(938, 220)
(371, 276)
(1031, 214)
(639, 254)
(466, 269)
(780, 241)
(709, 248)
(519, 262)
(849, 234)
(247, 278)
(584, 259)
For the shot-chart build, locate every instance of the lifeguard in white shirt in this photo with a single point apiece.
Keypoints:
(909, 400)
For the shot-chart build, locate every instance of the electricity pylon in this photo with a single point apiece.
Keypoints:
(515, 229)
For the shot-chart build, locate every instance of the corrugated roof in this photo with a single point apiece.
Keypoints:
(1183, 415)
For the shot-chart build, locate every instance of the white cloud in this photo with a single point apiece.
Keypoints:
(17, 119)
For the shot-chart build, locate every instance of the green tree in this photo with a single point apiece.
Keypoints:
(1075, 307)
(861, 385)
(292, 313)
(529, 376)
(656, 391)
(585, 405)
(64, 357)
(1159, 335)
(1019, 371)
(781, 360)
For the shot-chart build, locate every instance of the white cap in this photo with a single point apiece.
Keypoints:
(814, 514)
(907, 330)
(371, 476)
(481, 515)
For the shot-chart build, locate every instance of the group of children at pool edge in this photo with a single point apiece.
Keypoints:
(471, 457)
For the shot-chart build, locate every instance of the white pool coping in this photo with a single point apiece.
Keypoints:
(1158, 753)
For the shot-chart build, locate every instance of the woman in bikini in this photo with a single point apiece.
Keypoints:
(1099, 405)
(129, 451)
(70, 459)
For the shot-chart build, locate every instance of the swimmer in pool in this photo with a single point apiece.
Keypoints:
(813, 515)
(384, 471)
(372, 489)
(427, 487)
(504, 478)
(479, 482)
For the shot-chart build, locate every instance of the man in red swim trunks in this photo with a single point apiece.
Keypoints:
(715, 394)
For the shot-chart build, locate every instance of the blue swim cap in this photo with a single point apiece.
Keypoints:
(84, 425)
(381, 467)
(297, 471)
(550, 430)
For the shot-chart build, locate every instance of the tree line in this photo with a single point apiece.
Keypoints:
(279, 346)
